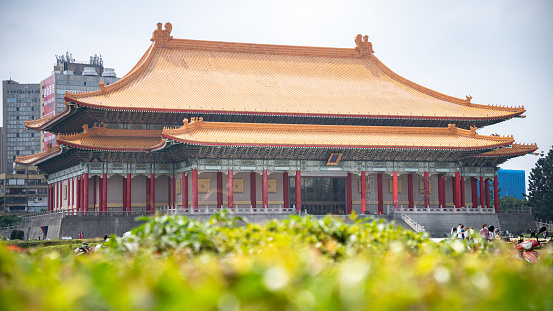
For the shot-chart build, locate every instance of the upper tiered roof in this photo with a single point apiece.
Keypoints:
(209, 77)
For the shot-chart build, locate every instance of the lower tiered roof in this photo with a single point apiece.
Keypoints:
(201, 139)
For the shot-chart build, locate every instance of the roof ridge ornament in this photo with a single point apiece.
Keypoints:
(364, 47)
(162, 36)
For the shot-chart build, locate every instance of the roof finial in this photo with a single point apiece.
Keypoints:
(364, 47)
(162, 36)
(468, 98)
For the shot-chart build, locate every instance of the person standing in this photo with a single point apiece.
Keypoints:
(81, 236)
(484, 233)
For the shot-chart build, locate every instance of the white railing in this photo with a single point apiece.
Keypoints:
(89, 213)
(409, 221)
(548, 225)
(209, 210)
(439, 210)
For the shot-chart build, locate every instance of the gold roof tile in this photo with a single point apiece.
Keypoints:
(33, 159)
(511, 151)
(208, 76)
(330, 136)
(102, 138)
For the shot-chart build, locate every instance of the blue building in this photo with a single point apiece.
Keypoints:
(512, 183)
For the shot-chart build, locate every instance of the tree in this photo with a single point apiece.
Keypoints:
(10, 220)
(512, 203)
(540, 189)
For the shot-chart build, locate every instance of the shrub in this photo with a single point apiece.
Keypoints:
(13, 235)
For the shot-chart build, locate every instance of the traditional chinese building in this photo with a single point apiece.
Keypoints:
(218, 124)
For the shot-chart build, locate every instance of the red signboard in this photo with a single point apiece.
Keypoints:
(49, 107)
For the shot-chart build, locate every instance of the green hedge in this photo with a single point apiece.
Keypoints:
(174, 263)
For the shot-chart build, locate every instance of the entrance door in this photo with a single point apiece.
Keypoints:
(320, 195)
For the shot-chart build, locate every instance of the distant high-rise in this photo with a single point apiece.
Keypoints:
(512, 183)
(71, 76)
(20, 102)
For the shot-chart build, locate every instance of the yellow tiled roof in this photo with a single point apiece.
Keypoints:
(38, 157)
(208, 76)
(101, 138)
(512, 151)
(199, 132)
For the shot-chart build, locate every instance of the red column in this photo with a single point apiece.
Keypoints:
(363, 192)
(60, 183)
(487, 192)
(124, 197)
(100, 194)
(457, 182)
(285, 190)
(152, 192)
(230, 188)
(426, 190)
(78, 194)
(219, 189)
(148, 194)
(410, 190)
(440, 192)
(395, 192)
(298, 191)
(184, 190)
(380, 195)
(444, 197)
(462, 190)
(104, 192)
(49, 197)
(169, 189)
(264, 192)
(474, 192)
(349, 205)
(128, 198)
(482, 198)
(85, 192)
(253, 190)
(174, 192)
(73, 192)
(94, 192)
(195, 189)
(495, 194)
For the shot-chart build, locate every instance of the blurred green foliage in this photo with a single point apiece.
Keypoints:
(176, 263)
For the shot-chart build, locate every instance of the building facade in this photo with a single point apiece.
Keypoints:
(204, 125)
(70, 76)
(20, 102)
(23, 191)
(512, 183)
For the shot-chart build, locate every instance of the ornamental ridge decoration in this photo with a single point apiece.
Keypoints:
(364, 47)
(162, 36)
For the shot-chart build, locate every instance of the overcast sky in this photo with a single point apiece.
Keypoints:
(499, 52)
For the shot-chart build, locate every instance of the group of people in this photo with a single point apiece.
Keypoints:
(489, 233)
(461, 232)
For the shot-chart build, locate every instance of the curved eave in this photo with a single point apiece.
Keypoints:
(284, 114)
(44, 123)
(199, 143)
(492, 154)
(155, 147)
(38, 158)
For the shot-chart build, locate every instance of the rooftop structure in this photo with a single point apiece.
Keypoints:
(310, 121)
